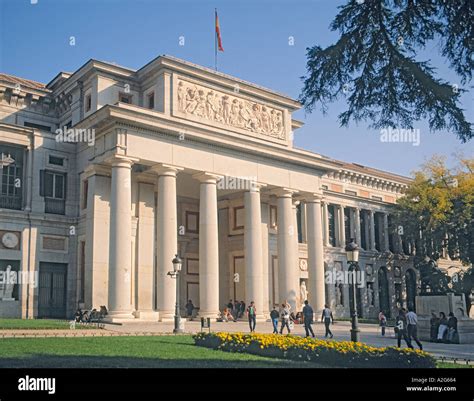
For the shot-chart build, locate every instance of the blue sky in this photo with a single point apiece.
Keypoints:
(35, 44)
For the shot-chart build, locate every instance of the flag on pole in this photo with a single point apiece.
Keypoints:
(218, 35)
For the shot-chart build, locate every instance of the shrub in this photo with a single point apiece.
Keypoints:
(324, 352)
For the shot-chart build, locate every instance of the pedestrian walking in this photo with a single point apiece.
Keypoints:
(274, 315)
(308, 315)
(412, 324)
(326, 317)
(285, 318)
(382, 322)
(401, 329)
(252, 315)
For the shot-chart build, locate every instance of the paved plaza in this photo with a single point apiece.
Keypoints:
(369, 334)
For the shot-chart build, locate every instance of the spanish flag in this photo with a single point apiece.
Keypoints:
(218, 34)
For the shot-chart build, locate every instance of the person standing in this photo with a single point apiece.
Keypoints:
(242, 308)
(326, 317)
(401, 329)
(274, 316)
(285, 318)
(308, 315)
(434, 326)
(236, 310)
(189, 308)
(453, 328)
(252, 315)
(382, 322)
(412, 323)
(443, 327)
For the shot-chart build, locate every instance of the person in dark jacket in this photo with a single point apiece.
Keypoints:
(252, 315)
(242, 308)
(308, 315)
(274, 315)
(453, 328)
(443, 327)
(434, 326)
(189, 308)
(401, 329)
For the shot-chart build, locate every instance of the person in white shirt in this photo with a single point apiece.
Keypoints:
(412, 322)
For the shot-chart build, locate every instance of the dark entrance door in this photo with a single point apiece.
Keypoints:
(52, 290)
(410, 281)
(384, 300)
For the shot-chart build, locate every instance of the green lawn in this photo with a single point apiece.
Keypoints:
(133, 352)
(450, 365)
(39, 324)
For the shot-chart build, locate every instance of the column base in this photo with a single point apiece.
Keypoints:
(148, 315)
(119, 317)
(213, 315)
(166, 316)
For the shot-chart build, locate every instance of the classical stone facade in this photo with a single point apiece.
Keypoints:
(176, 158)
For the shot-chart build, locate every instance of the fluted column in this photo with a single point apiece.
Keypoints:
(385, 232)
(357, 226)
(372, 230)
(120, 249)
(166, 240)
(253, 249)
(341, 226)
(208, 246)
(287, 280)
(326, 223)
(316, 285)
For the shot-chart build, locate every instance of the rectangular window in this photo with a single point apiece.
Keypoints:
(378, 232)
(332, 225)
(125, 98)
(37, 126)
(58, 161)
(325, 187)
(151, 100)
(299, 222)
(379, 198)
(363, 222)
(11, 177)
(53, 188)
(347, 224)
(88, 103)
(85, 193)
(273, 216)
(349, 192)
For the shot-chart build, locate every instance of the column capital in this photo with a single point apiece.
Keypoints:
(122, 161)
(256, 187)
(283, 192)
(162, 169)
(313, 198)
(207, 178)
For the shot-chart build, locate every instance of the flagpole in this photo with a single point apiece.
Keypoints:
(215, 39)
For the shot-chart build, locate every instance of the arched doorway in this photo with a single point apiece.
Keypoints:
(384, 298)
(410, 283)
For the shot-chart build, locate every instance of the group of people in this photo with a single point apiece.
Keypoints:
(233, 311)
(442, 329)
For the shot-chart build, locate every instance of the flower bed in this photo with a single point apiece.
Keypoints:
(331, 353)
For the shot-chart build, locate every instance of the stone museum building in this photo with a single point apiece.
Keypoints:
(108, 172)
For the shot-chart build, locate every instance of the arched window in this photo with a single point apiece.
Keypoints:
(384, 299)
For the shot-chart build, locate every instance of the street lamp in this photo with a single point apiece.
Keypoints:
(352, 253)
(177, 264)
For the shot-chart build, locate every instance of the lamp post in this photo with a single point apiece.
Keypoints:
(352, 253)
(177, 264)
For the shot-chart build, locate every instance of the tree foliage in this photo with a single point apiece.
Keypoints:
(437, 212)
(373, 64)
